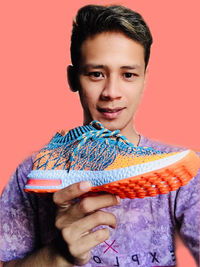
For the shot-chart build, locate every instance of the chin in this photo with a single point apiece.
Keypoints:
(110, 124)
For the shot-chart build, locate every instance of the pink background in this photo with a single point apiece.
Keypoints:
(36, 100)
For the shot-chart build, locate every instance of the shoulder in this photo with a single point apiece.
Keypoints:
(19, 177)
(25, 166)
(144, 141)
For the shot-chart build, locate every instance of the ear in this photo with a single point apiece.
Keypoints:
(72, 78)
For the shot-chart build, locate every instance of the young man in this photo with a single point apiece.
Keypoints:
(110, 51)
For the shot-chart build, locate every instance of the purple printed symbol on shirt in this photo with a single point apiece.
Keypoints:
(110, 246)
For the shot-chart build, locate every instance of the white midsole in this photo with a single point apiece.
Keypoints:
(103, 177)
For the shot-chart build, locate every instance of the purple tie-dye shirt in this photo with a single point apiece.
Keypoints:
(145, 230)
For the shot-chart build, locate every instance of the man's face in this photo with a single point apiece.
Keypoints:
(111, 78)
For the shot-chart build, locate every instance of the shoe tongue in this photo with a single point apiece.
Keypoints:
(78, 131)
(73, 134)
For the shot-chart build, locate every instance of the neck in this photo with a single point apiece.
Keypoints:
(131, 134)
(133, 137)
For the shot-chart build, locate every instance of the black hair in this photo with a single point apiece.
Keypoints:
(93, 19)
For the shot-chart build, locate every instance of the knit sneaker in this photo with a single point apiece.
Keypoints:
(110, 162)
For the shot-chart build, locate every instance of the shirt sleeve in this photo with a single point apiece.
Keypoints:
(18, 216)
(187, 215)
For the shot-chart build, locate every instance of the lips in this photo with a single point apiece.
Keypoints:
(110, 110)
(111, 113)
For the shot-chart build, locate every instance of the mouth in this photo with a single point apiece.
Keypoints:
(111, 113)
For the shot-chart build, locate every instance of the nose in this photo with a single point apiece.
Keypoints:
(111, 89)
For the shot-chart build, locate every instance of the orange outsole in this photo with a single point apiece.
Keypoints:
(156, 182)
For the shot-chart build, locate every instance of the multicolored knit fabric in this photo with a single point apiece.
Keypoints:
(110, 162)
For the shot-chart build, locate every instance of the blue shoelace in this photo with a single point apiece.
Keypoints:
(101, 134)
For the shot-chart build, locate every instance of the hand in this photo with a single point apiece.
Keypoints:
(75, 220)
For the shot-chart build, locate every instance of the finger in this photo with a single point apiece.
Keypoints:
(91, 204)
(88, 205)
(88, 242)
(65, 195)
(84, 207)
(75, 231)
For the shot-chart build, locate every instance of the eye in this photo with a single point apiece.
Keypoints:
(96, 75)
(129, 75)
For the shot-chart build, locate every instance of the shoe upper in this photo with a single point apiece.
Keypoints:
(92, 147)
(110, 162)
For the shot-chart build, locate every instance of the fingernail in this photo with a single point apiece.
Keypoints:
(118, 199)
(85, 186)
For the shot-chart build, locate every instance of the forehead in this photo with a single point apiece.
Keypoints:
(111, 47)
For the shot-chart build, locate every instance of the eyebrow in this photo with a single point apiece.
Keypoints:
(94, 66)
(135, 66)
